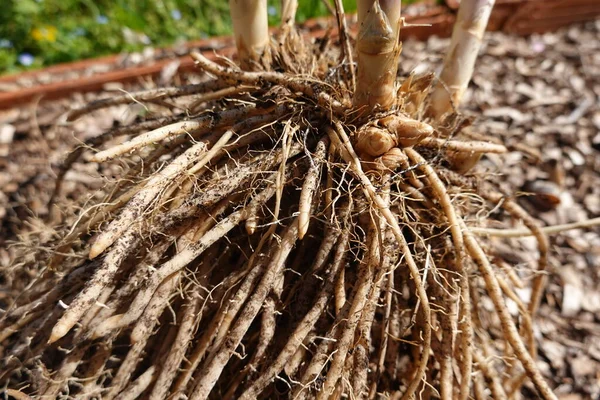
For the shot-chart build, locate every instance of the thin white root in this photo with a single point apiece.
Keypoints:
(185, 127)
(205, 88)
(506, 321)
(466, 328)
(524, 232)
(148, 138)
(219, 94)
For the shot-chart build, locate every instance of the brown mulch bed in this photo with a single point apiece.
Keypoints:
(539, 96)
(34, 140)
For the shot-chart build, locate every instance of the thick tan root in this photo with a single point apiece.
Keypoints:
(507, 323)
(352, 277)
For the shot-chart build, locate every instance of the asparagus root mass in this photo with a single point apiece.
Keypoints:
(292, 234)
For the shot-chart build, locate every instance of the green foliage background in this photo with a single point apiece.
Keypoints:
(45, 32)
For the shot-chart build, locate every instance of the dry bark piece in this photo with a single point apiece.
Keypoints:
(544, 195)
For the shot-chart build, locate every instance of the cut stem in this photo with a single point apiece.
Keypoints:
(377, 49)
(460, 59)
(251, 31)
(288, 12)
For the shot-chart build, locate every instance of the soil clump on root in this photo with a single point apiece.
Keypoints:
(272, 241)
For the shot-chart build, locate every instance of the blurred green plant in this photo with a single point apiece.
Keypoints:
(36, 33)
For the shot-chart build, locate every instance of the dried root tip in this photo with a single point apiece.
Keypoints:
(251, 224)
(59, 331)
(252, 211)
(98, 248)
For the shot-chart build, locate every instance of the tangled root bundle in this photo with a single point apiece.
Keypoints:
(274, 241)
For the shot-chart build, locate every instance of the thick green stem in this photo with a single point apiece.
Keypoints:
(251, 31)
(460, 59)
(377, 49)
